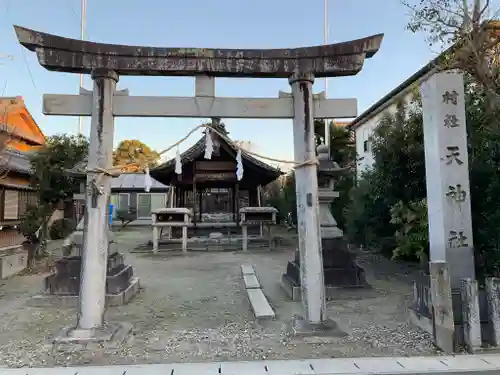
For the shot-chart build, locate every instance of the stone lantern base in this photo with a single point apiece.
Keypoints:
(339, 267)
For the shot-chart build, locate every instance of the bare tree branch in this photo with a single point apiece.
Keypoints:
(464, 26)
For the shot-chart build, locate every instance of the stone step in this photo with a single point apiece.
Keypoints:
(251, 282)
(247, 269)
(260, 306)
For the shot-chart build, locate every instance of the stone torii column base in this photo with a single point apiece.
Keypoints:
(112, 334)
(300, 327)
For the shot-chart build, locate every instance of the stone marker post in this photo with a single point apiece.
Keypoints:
(493, 298)
(470, 315)
(447, 174)
(448, 200)
(95, 248)
(444, 327)
(306, 183)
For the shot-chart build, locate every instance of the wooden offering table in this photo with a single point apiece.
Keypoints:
(257, 216)
(171, 218)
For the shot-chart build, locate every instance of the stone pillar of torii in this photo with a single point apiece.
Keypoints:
(107, 62)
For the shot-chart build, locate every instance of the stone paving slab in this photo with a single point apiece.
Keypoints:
(251, 282)
(459, 365)
(247, 269)
(260, 306)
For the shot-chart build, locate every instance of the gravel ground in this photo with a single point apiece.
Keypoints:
(193, 308)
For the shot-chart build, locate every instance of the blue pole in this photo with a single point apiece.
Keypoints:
(110, 214)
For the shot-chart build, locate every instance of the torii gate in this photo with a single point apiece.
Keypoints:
(106, 62)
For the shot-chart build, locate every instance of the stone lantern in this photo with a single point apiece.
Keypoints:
(339, 264)
(327, 170)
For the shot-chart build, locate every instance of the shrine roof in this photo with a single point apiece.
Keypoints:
(76, 56)
(165, 171)
(134, 181)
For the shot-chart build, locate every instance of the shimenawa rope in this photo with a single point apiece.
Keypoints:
(115, 170)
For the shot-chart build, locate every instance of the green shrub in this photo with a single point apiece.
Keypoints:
(62, 228)
(412, 234)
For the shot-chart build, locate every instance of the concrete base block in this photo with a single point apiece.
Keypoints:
(111, 335)
(70, 301)
(299, 327)
(294, 292)
(291, 290)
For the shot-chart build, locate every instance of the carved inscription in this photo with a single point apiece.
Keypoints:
(456, 193)
(451, 121)
(450, 97)
(453, 155)
(457, 239)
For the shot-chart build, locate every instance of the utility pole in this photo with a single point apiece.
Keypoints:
(82, 33)
(327, 121)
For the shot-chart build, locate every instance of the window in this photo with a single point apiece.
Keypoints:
(365, 146)
(158, 200)
(143, 206)
(123, 201)
(26, 198)
(148, 202)
(11, 205)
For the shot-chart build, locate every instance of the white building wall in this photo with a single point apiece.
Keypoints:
(365, 130)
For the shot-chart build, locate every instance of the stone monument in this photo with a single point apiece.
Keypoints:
(339, 264)
(439, 306)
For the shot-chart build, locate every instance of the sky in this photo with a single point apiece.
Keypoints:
(208, 24)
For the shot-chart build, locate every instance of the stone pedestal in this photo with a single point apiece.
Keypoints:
(339, 264)
(62, 287)
(339, 267)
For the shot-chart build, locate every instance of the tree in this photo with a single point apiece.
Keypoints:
(133, 151)
(282, 195)
(52, 183)
(398, 174)
(464, 25)
(50, 163)
(245, 145)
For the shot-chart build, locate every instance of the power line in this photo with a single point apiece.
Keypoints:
(82, 34)
(25, 59)
(325, 36)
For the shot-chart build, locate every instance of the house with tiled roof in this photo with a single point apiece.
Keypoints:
(19, 136)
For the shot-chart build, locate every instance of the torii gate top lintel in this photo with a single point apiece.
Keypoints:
(76, 56)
